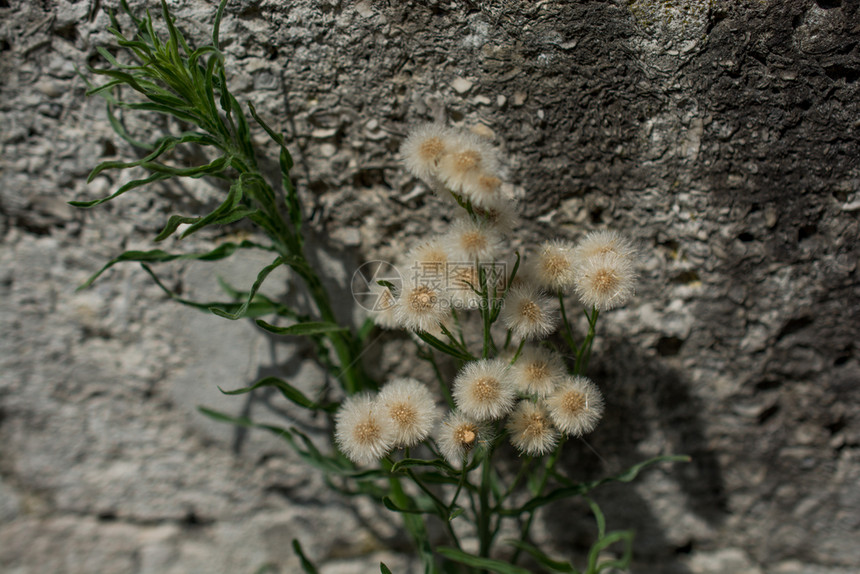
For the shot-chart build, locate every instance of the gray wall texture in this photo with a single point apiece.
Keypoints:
(721, 135)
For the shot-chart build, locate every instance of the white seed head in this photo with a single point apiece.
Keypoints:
(605, 281)
(410, 406)
(538, 371)
(459, 435)
(468, 158)
(530, 314)
(553, 267)
(601, 242)
(362, 434)
(531, 429)
(468, 240)
(424, 147)
(484, 390)
(576, 405)
(420, 306)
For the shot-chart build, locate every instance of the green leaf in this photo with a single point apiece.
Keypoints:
(543, 559)
(290, 393)
(574, 489)
(246, 423)
(496, 566)
(307, 566)
(261, 276)
(598, 516)
(383, 569)
(623, 563)
(406, 463)
(302, 329)
(389, 504)
(127, 187)
(444, 347)
(158, 256)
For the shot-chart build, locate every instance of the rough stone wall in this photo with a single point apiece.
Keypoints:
(722, 135)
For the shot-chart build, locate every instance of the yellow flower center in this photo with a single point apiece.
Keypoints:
(430, 149)
(573, 402)
(421, 299)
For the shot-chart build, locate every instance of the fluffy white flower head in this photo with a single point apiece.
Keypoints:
(601, 242)
(468, 240)
(530, 314)
(605, 281)
(531, 429)
(554, 266)
(468, 158)
(538, 371)
(362, 434)
(424, 147)
(421, 306)
(459, 435)
(410, 407)
(483, 389)
(576, 406)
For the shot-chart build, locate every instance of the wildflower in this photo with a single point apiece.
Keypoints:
(483, 389)
(601, 242)
(458, 435)
(576, 406)
(531, 429)
(361, 433)
(420, 306)
(499, 214)
(481, 188)
(537, 371)
(409, 405)
(528, 313)
(605, 281)
(554, 268)
(423, 149)
(469, 240)
(468, 159)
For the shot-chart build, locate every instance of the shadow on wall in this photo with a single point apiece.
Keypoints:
(644, 398)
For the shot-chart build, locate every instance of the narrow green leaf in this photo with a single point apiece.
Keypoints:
(302, 329)
(290, 393)
(543, 559)
(216, 27)
(598, 516)
(623, 563)
(574, 489)
(383, 569)
(496, 566)
(158, 256)
(261, 277)
(444, 347)
(406, 463)
(307, 566)
(127, 187)
(389, 504)
(246, 423)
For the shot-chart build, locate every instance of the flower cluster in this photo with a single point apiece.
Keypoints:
(523, 390)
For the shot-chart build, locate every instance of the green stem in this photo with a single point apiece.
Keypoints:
(519, 351)
(485, 512)
(583, 356)
(548, 470)
(566, 333)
